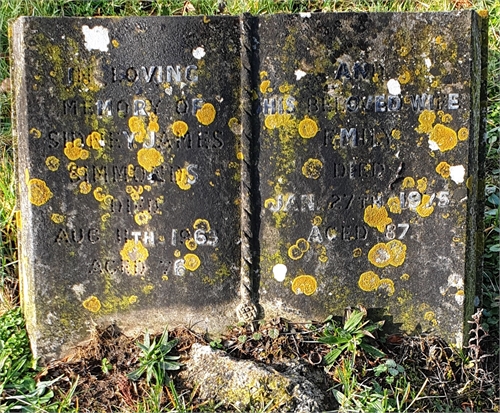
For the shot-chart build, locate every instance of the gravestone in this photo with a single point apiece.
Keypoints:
(208, 170)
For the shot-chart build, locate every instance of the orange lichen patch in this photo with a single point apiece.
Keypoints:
(397, 250)
(38, 192)
(443, 169)
(206, 114)
(115, 43)
(74, 150)
(295, 253)
(312, 168)
(84, 187)
(463, 134)
(317, 220)
(240, 156)
(92, 304)
(94, 140)
(278, 120)
(379, 255)
(302, 244)
(394, 205)
(422, 185)
(377, 217)
(134, 192)
(149, 158)
(443, 137)
(308, 128)
(191, 244)
(179, 128)
(35, 133)
(304, 284)
(137, 126)
(153, 123)
(191, 262)
(425, 208)
(264, 86)
(368, 281)
(404, 77)
(396, 134)
(130, 170)
(201, 223)
(142, 218)
(408, 182)
(57, 218)
(99, 195)
(426, 119)
(405, 277)
(133, 253)
(387, 285)
(446, 118)
(182, 178)
(52, 163)
(357, 252)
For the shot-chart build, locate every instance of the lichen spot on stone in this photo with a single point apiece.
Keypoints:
(57, 218)
(463, 134)
(35, 133)
(396, 134)
(149, 158)
(387, 285)
(206, 114)
(133, 253)
(377, 217)
(317, 220)
(304, 284)
(443, 169)
(278, 120)
(191, 244)
(265, 86)
(312, 168)
(234, 125)
(394, 205)
(408, 182)
(182, 178)
(115, 43)
(92, 304)
(426, 207)
(84, 187)
(295, 253)
(153, 125)
(422, 185)
(94, 140)
(191, 262)
(442, 138)
(138, 128)
(397, 250)
(308, 128)
(96, 38)
(134, 192)
(52, 163)
(202, 224)
(426, 119)
(379, 255)
(74, 150)
(302, 244)
(38, 192)
(368, 281)
(431, 317)
(179, 128)
(356, 253)
(405, 277)
(142, 217)
(404, 77)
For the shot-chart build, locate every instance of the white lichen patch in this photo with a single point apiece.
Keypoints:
(428, 62)
(393, 87)
(299, 74)
(457, 173)
(199, 53)
(433, 146)
(79, 290)
(96, 38)
(279, 272)
(305, 15)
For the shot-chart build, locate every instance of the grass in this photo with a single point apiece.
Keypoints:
(395, 385)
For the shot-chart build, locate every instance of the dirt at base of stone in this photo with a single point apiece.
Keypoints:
(249, 385)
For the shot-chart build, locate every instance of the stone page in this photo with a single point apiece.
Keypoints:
(368, 166)
(129, 174)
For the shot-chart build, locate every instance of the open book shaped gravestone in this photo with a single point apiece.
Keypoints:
(210, 170)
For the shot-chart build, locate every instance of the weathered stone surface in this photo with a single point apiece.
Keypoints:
(369, 166)
(128, 135)
(247, 385)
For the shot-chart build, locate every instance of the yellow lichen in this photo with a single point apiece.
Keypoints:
(404, 77)
(394, 205)
(153, 123)
(191, 262)
(308, 128)
(445, 138)
(74, 150)
(302, 244)
(317, 220)
(179, 128)
(425, 208)
(368, 281)
(115, 43)
(182, 178)
(148, 288)
(84, 187)
(405, 277)
(396, 134)
(357, 252)
(463, 134)
(149, 158)
(92, 304)
(38, 192)
(134, 192)
(137, 126)
(393, 253)
(426, 119)
(397, 250)
(388, 285)
(201, 223)
(443, 169)
(234, 125)
(132, 299)
(133, 253)
(304, 284)
(177, 253)
(294, 252)
(206, 114)
(142, 217)
(94, 140)
(264, 86)
(422, 185)
(408, 182)
(239, 156)
(446, 118)
(377, 217)
(312, 168)
(57, 218)
(191, 244)
(278, 120)
(52, 163)
(35, 133)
